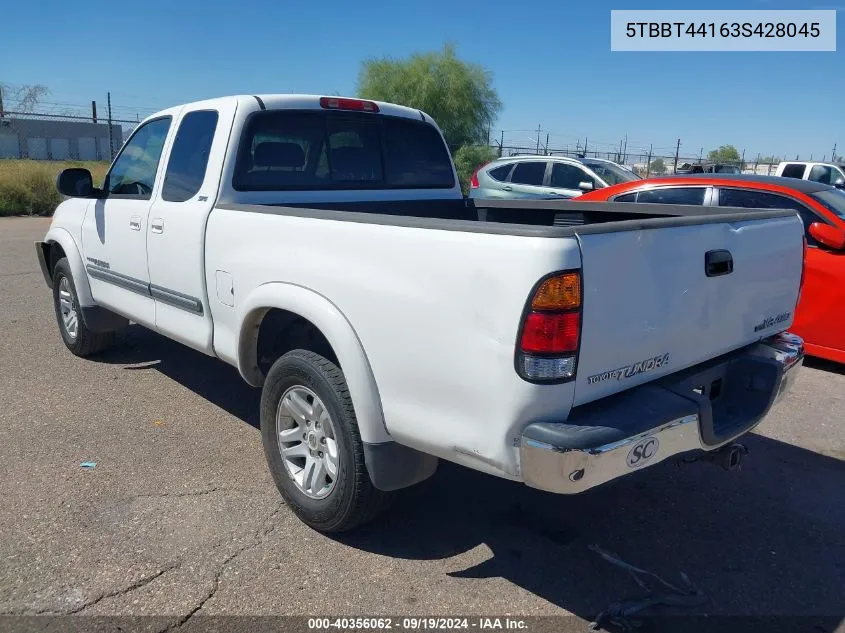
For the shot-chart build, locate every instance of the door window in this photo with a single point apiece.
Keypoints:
(529, 173)
(189, 156)
(749, 199)
(134, 172)
(673, 195)
(500, 173)
(822, 173)
(566, 176)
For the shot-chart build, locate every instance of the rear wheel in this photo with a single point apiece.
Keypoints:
(312, 444)
(75, 335)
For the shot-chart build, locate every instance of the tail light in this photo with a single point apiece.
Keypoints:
(473, 182)
(339, 103)
(550, 330)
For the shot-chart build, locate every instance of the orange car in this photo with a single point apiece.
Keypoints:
(820, 315)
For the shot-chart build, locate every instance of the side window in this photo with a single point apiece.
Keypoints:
(500, 173)
(134, 171)
(673, 195)
(763, 200)
(189, 156)
(626, 197)
(793, 170)
(821, 173)
(529, 173)
(566, 176)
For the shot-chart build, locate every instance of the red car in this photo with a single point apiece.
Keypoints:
(820, 315)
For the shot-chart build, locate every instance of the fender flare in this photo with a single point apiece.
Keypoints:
(60, 236)
(340, 335)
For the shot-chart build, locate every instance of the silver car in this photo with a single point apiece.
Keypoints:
(545, 177)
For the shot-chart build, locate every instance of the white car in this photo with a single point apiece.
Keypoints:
(826, 173)
(321, 245)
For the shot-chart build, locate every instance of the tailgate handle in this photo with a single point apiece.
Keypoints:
(718, 263)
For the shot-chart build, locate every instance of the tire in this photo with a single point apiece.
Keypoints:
(81, 341)
(348, 499)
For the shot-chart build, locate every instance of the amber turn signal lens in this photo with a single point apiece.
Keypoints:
(558, 293)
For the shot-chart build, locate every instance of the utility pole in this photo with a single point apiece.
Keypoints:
(677, 152)
(625, 149)
(742, 162)
(1, 102)
(700, 154)
(111, 140)
(94, 111)
(585, 147)
(547, 143)
(832, 155)
(539, 129)
(648, 161)
(502, 144)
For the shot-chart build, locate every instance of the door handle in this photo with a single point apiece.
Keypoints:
(135, 223)
(507, 188)
(157, 225)
(718, 263)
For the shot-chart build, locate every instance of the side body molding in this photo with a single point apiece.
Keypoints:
(337, 330)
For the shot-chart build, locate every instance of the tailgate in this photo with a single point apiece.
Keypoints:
(650, 308)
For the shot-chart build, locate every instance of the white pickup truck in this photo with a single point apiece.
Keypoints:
(322, 246)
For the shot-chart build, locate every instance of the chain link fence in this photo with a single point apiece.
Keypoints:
(56, 137)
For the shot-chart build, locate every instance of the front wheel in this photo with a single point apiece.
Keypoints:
(312, 444)
(75, 334)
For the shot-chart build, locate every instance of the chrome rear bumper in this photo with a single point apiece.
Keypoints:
(665, 419)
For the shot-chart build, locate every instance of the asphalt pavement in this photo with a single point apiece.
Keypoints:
(180, 517)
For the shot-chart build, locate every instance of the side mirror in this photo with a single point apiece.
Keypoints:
(839, 183)
(831, 236)
(586, 186)
(75, 182)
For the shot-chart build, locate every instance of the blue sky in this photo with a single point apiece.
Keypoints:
(550, 59)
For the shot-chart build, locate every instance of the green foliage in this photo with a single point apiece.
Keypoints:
(769, 160)
(44, 196)
(14, 198)
(469, 158)
(725, 154)
(657, 166)
(28, 187)
(458, 95)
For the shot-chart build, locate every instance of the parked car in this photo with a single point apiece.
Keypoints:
(820, 316)
(322, 246)
(826, 173)
(708, 168)
(545, 176)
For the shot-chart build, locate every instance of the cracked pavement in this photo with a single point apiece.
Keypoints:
(180, 517)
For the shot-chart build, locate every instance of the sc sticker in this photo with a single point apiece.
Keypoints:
(642, 452)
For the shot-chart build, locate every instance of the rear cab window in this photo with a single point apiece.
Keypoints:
(320, 150)
(793, 170)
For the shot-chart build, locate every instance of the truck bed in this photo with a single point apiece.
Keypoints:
(539, 218)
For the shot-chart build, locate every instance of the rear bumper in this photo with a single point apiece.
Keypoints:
(699, 409)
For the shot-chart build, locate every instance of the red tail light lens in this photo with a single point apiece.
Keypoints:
(550, 333)
(473, 182)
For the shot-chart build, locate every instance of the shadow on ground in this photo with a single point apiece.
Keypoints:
(765, 541)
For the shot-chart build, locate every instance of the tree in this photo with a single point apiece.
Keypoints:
(657, 166)
(725, 154)
(458, 95)
(769, 160)
(469, 158)
(21, 98)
